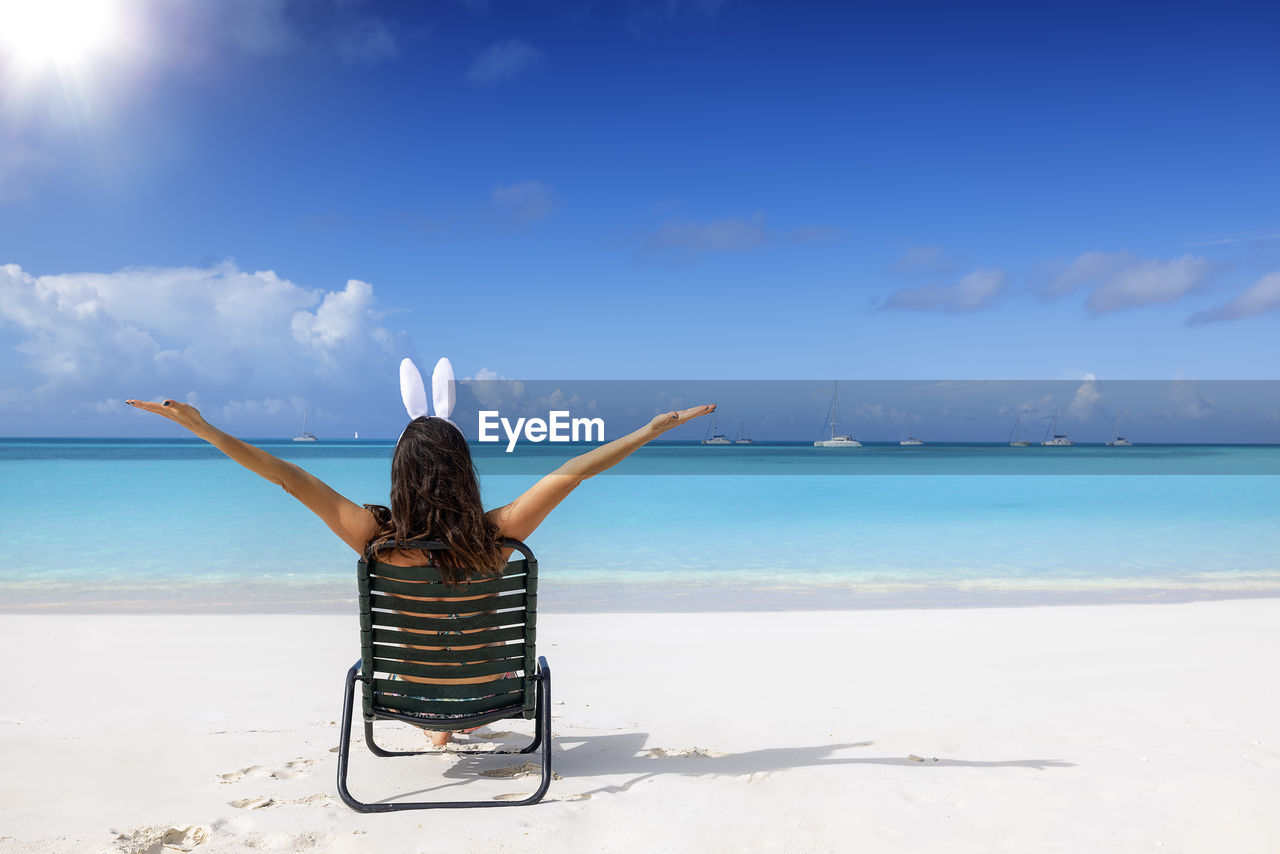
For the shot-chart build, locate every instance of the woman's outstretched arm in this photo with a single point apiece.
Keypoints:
(353, 524)
(521, 517)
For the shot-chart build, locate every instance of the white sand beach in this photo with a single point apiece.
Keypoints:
(1066, 728)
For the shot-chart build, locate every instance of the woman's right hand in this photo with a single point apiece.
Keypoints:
(181, 413)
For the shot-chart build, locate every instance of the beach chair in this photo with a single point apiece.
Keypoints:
(458, 637)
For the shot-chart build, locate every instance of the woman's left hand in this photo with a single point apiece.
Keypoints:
(667, 420)
(181, 413)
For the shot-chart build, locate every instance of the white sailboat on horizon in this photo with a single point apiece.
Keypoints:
(1059, 440)
(907, 438)
(1016, 439)
(1119, 441)
(304, 436)
(844, 441)
(714, 438)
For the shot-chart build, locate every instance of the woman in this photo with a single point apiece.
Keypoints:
(434, 492)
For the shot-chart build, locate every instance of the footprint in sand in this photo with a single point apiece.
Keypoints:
(528, 769)
(252, 803)
(686, 753)
(264, 801)
(287, 771)
(160, 839)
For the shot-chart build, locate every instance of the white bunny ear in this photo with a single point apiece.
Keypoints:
(442, 388)
(412, 390)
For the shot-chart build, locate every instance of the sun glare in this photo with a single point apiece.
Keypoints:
(62, 35)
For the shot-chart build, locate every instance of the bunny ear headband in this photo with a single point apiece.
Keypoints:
(414, 392)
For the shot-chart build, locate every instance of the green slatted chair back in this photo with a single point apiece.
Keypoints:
(415, 627)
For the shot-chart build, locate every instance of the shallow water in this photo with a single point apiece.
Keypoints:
(123, 524)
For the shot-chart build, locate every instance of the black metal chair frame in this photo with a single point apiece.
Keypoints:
(379, 622)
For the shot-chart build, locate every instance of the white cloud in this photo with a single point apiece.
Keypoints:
(1085, 269)
(492, 390)
(975, 291)
(340, 317)
(1262, 297)
(524, 201)
(228, 333)
(1152, 282)
(1120, 280)
(503, 61)
(1188, 400)
(1087, 396)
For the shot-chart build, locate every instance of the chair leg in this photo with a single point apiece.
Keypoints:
(542, 737)
(542, 730)
(344, 740)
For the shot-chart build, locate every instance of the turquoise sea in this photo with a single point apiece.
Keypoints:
(146, 525)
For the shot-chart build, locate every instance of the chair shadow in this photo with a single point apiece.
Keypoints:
(590, 756)
(630, 754)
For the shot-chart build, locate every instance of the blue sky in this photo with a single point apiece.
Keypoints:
(262, 206)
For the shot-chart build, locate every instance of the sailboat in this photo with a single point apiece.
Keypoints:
(1016, 439)
(1058, 440)
(845, 441)
(714, 438)
(1119, 441)
(907, 438)
(304, 436)
(742, 438)
(357, 435)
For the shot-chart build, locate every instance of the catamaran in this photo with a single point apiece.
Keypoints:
(907, 438)
(714, 438)
(845, 441)
(1119, 441)
(742, 437)
(1058, 440)
(1016, 439)
(304, 436)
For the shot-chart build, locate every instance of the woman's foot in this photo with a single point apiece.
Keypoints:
(440, 739)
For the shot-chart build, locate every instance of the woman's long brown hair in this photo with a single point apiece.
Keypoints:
(435, 496)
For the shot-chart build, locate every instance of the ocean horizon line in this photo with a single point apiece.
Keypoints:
(188, 440)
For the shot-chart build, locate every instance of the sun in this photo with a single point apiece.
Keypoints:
(60, 35)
